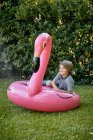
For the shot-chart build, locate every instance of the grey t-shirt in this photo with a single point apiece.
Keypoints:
(64, 83)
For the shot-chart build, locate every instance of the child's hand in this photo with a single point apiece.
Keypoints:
(63, 91)
(57, 89)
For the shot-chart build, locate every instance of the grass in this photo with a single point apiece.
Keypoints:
(20, 124)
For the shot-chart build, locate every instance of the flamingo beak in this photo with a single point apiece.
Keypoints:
(36, 61)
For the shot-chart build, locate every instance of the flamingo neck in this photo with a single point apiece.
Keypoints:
(35, 84)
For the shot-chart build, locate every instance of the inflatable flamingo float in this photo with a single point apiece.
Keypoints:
(31, 94)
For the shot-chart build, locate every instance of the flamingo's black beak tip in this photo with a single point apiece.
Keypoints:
(36, 61)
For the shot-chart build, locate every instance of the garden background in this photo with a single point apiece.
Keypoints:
(69, 22)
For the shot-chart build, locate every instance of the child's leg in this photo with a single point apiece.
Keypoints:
(44, 82)
(47, 83)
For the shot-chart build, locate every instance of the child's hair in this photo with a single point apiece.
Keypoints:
(67, 64)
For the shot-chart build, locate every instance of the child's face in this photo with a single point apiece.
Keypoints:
(63, 71)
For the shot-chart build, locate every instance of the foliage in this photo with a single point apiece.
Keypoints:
(68, 22)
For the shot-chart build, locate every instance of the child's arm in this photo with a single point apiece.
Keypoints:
(70, 92)
(54, 85)
(56, 88)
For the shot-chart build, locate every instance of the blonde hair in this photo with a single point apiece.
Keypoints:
(67, 64)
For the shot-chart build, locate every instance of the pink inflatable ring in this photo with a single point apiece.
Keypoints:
(31, 94)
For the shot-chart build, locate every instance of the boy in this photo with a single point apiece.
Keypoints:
(63, 81)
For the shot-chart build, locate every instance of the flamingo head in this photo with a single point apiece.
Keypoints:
(40, 45)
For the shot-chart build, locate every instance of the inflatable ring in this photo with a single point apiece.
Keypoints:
(31, 94)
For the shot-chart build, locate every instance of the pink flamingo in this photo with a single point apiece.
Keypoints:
(35, 96)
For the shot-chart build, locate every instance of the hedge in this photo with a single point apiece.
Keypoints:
(69, 22)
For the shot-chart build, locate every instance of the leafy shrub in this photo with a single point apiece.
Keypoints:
(68, 22)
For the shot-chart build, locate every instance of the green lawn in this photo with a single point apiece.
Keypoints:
(21, 124)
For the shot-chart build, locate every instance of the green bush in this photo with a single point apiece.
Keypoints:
(70, 23)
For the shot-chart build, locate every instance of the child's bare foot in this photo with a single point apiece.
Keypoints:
(48, 83)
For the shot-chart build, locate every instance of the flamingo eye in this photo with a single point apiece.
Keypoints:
(44, 44)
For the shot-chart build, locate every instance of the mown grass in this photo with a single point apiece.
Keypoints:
(20, 124)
